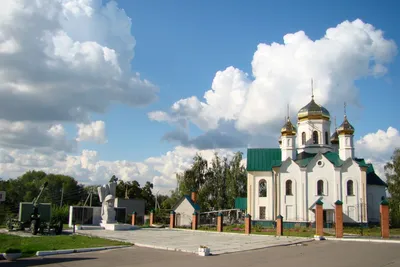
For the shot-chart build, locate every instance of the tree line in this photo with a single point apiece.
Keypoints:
(218, 182)
(63, 191)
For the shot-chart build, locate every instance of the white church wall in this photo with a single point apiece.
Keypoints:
(257, 205)
(351, 203)
(320, 168)
(291, 205)
(375, 194)
(321, 126)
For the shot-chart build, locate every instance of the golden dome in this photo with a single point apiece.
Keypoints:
(288, 128)
(313, 111)
(345, 127)
(335, 138)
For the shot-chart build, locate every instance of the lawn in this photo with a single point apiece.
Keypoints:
(369, 231)
(30, 245)
(298, 231)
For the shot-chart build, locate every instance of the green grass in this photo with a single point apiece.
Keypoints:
(369, 231)
(30, 245)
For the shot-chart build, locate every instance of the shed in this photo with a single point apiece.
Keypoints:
(184, 209)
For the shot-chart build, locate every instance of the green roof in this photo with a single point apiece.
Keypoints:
(263, 159)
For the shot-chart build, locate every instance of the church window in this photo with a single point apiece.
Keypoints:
(320, 188)
(350, 188)
(303, 138)
(262, 188)
(315, 137)
(262, 213)
(326, 138)
(289, 191)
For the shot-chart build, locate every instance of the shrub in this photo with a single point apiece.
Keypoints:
(59, 214)
(13, 250)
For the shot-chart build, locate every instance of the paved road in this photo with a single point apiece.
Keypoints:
(323, 253)
(189, 241)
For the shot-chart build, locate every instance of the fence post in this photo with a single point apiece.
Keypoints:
(339, 219)
(220, 222)
(279, 225)
(319, 220)
(172, 219)
(384, 210)
(134, 218)
(247, 224)
(194, 221)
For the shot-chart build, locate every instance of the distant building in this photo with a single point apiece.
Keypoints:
(184, 209)
(312, 164)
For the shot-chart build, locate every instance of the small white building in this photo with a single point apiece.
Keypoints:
(184, 209)
(312, 164)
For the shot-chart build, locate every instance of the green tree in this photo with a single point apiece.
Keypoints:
(392, 171)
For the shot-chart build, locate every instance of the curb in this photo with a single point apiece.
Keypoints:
(220, 253)
(363, 240)
(241, 234)
(70, 251)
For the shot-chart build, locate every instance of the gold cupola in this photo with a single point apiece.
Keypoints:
(345, 127)
(288, 128)
(313, 111)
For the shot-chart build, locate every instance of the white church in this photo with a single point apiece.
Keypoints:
(312, 164)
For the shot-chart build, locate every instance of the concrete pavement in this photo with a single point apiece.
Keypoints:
(190, 241)
(318, 253)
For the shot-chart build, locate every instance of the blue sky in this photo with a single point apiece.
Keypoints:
(180, 45)
(221, 75)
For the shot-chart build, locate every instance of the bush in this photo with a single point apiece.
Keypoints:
(59, 214)
(13, 250)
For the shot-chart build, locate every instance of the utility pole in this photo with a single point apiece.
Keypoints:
(91, 194)
(62, 195)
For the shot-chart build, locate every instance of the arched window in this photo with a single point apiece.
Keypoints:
(262, 188)
(315, 137)
(320, 188)
(289, 191)
(350, 188)
(326, 138)
(303, 138)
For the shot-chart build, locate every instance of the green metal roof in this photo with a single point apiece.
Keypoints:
(263, 159)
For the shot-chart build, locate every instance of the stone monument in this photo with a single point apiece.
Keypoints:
(107, 198)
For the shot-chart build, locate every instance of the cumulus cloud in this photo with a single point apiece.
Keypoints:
(380, 144)
(60, 60)
(28, 135)
(94, 131)
(377, 148)
(88, 168)
(281, 75)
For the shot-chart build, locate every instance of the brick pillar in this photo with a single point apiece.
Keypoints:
(220, 220)
(172, 219)
(247, 224)
(194, 221)
(134, 218)
(151, 217)
(279, 225)
(339, 219)
(319, 219)
(384, 210)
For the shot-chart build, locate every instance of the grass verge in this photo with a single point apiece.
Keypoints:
(30, 245)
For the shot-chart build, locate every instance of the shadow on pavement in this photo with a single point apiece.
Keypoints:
(42, 261)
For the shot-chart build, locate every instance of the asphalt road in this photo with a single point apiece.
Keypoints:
(323, 253)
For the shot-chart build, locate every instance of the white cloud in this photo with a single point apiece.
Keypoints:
(89, 169)
(380, 144)
(27, 135)
(377, 148)
(5, 157)
(281, 76)
(60, 60)
(94, 131)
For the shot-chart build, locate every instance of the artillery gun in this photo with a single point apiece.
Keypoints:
(35, 222)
